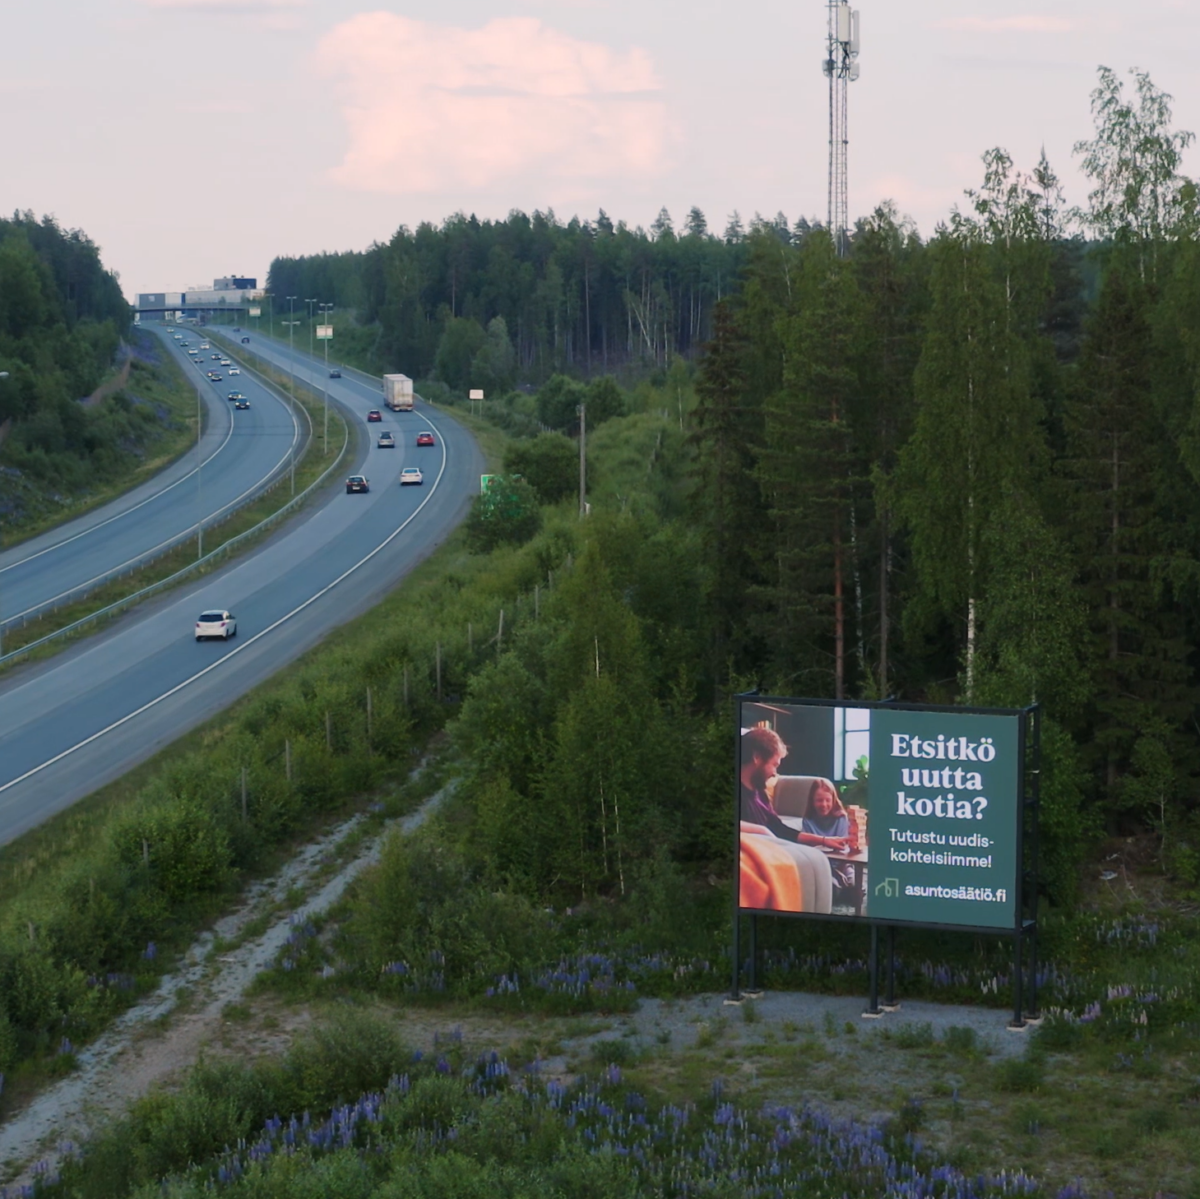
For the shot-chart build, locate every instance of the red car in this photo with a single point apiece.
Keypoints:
(424, 439)
(373, 416)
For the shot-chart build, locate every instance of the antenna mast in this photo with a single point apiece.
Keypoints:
(841, 68)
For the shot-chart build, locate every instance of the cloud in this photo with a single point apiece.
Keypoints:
(1031, 23)
(433, 106)
(249, 7)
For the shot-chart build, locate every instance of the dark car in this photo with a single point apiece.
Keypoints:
(425, 438)
(245, 341)
(335, 374)
(357, 483)
(242, 403)
(373, 416)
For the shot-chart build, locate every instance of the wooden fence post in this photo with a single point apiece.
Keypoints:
(328, 731)
(438, 667)
(500, 634)
(368, 720)
(244, 796)
(287, 758)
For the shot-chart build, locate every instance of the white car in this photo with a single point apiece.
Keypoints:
(216, 622)
(235, 370)
(411, 474)
(224, 361)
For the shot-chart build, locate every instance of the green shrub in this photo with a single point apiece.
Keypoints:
(1021, 1076)
(353, 1053)
(960, 1039)
(179, 842)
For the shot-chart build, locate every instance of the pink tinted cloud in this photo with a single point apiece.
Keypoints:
(227, 6)
(1027, 23)
(433, 106)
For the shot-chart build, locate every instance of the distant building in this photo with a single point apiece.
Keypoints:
(235, 283)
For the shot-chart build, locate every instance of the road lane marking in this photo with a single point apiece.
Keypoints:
(312, 599)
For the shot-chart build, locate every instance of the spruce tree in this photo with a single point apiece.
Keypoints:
(726, 502)
(1118, 455)
(812, 479)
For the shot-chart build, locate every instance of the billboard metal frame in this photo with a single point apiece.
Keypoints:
(1024, 928)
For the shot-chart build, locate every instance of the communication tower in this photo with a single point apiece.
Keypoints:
(841, 68)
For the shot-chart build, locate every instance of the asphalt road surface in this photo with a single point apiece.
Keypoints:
(238, 454)
(72, 724)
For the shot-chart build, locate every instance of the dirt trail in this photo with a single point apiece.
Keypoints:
(119, 380)
(131, 1056)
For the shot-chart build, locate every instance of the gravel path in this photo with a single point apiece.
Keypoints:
(128, 1058)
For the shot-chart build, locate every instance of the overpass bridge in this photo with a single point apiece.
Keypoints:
(195, 304)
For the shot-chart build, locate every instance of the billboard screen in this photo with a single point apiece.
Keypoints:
(907, 815)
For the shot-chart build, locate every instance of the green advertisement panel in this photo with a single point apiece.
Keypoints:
(899, 814)
(944, 802)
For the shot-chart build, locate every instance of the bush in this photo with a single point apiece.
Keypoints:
(549, 464)
(354, 1053)
(507, 513)
(179, 843)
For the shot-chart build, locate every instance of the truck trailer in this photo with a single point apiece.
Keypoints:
(398, 392)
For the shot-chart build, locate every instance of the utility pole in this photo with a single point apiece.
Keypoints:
(582, 459)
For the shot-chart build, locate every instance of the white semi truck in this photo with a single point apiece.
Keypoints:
(398, 392)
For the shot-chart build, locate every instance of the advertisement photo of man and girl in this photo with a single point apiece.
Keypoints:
(802, 812)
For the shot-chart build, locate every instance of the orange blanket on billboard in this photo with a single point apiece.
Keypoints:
(769, 878)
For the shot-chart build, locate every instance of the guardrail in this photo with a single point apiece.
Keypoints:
(192, 567)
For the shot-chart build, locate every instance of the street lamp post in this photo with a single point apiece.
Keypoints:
(326, 309)
(310, 304)
(291, 324)
(199, 482)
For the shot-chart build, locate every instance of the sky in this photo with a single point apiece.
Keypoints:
(197, 138)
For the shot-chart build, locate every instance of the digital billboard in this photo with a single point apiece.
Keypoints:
(896, 814)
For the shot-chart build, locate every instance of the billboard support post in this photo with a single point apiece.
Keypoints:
(753, 955)
(1017, 1024)
(873, 1012)
(889, 1000)
(1031, 889)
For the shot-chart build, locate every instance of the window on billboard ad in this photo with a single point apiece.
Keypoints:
(895, 814)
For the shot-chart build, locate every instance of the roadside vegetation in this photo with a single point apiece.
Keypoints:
(312, 460)
(812, 508)
(88, 406)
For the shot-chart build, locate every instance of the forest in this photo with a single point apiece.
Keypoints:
(957, 470)
(62, 319)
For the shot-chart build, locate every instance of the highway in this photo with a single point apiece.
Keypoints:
(238, 453)
(69, 725)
